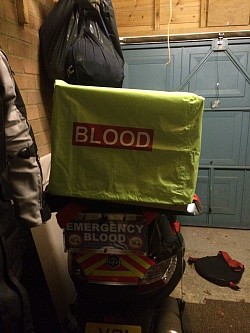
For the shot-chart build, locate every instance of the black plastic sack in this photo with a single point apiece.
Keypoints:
(95, 58)
(69, 22)
(58, 32)
(108, 15)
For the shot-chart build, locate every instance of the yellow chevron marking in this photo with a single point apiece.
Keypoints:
(84, 257)
(91, 269)
(131, 268)
(140, 261)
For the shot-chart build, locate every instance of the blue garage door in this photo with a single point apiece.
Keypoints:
(218, 70)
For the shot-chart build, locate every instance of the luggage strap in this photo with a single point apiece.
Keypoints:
(234, 264)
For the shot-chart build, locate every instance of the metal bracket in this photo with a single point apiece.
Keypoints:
(220, 44)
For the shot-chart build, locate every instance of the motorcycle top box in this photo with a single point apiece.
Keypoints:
(125, 145)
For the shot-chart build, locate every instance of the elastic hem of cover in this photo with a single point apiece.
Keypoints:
(71, 210)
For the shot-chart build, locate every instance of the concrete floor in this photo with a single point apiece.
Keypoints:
(201, 242)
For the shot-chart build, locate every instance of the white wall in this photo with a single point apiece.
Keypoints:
(49, 243)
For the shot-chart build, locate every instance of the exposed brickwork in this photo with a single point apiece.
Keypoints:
(21, 44)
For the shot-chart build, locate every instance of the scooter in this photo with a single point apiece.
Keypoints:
(124, 261)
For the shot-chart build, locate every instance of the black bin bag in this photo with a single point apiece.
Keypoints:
(57, 33)
(107, 12)
(80, 44)
(95, 58)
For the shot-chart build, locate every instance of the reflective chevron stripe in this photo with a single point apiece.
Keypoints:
(105, 267)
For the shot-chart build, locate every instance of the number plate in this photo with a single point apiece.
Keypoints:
(108, 328)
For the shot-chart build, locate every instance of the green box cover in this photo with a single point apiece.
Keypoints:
(126, 145)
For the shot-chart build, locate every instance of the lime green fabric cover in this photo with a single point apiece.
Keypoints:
(165, 173)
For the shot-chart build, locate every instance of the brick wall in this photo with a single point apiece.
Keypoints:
(21, 44)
